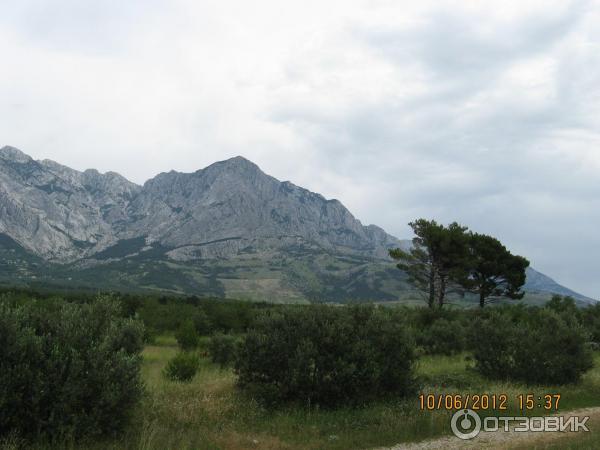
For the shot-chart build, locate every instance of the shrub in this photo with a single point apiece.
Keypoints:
(442, 337)
(326, 355)
(563, 305)
(222, 349)
(541, 347)
(186, 336)
(202, 323)
(68, 370)
(230, 317)
(149, 336)
(591, 321)
(594, 346)
(182, 367)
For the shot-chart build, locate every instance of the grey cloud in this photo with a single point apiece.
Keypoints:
(468, 144)
(84, 26)
(501, 169)
(452, 44)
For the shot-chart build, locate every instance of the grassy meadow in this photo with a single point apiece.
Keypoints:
(210, 413)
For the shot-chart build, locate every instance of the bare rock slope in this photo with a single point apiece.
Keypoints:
(61, 214)
(226, 230)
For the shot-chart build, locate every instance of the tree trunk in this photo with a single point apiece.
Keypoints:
(481, 299)
(431, 300)
(442, 294)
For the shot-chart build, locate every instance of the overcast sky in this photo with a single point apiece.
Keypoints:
(487, 113)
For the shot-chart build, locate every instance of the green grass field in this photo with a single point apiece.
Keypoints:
(210, 413)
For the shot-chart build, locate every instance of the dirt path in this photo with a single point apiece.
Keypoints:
(500, 439)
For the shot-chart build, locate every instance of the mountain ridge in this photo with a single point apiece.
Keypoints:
(176, 209)
(228, 226)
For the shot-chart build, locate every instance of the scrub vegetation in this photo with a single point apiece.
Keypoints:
(272, 376)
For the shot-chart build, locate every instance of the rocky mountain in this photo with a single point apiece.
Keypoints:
(61, 214)
(538, 283)
(226, 230)
(232, 205)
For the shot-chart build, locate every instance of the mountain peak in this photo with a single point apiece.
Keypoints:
(238, 161)
(9, 153)
(238, 166)
(230, 210)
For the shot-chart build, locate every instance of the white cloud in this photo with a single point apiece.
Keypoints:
(481, 112)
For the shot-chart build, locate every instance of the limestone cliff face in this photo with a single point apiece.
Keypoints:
(227, 213)
(235, 201)
(63, 214)
(57, 212)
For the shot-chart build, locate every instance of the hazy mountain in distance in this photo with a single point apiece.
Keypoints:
(226, 230)
(537, 282)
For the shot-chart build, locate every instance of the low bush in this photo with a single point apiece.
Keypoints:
(222, 349)
(149, 336)
(563, 305)
(68, 370)
(326, 356)
(591, 321)
(442, 337)
(182, 367)
(540, 347)
(594, 346)
(187, 336)
(202, 323)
